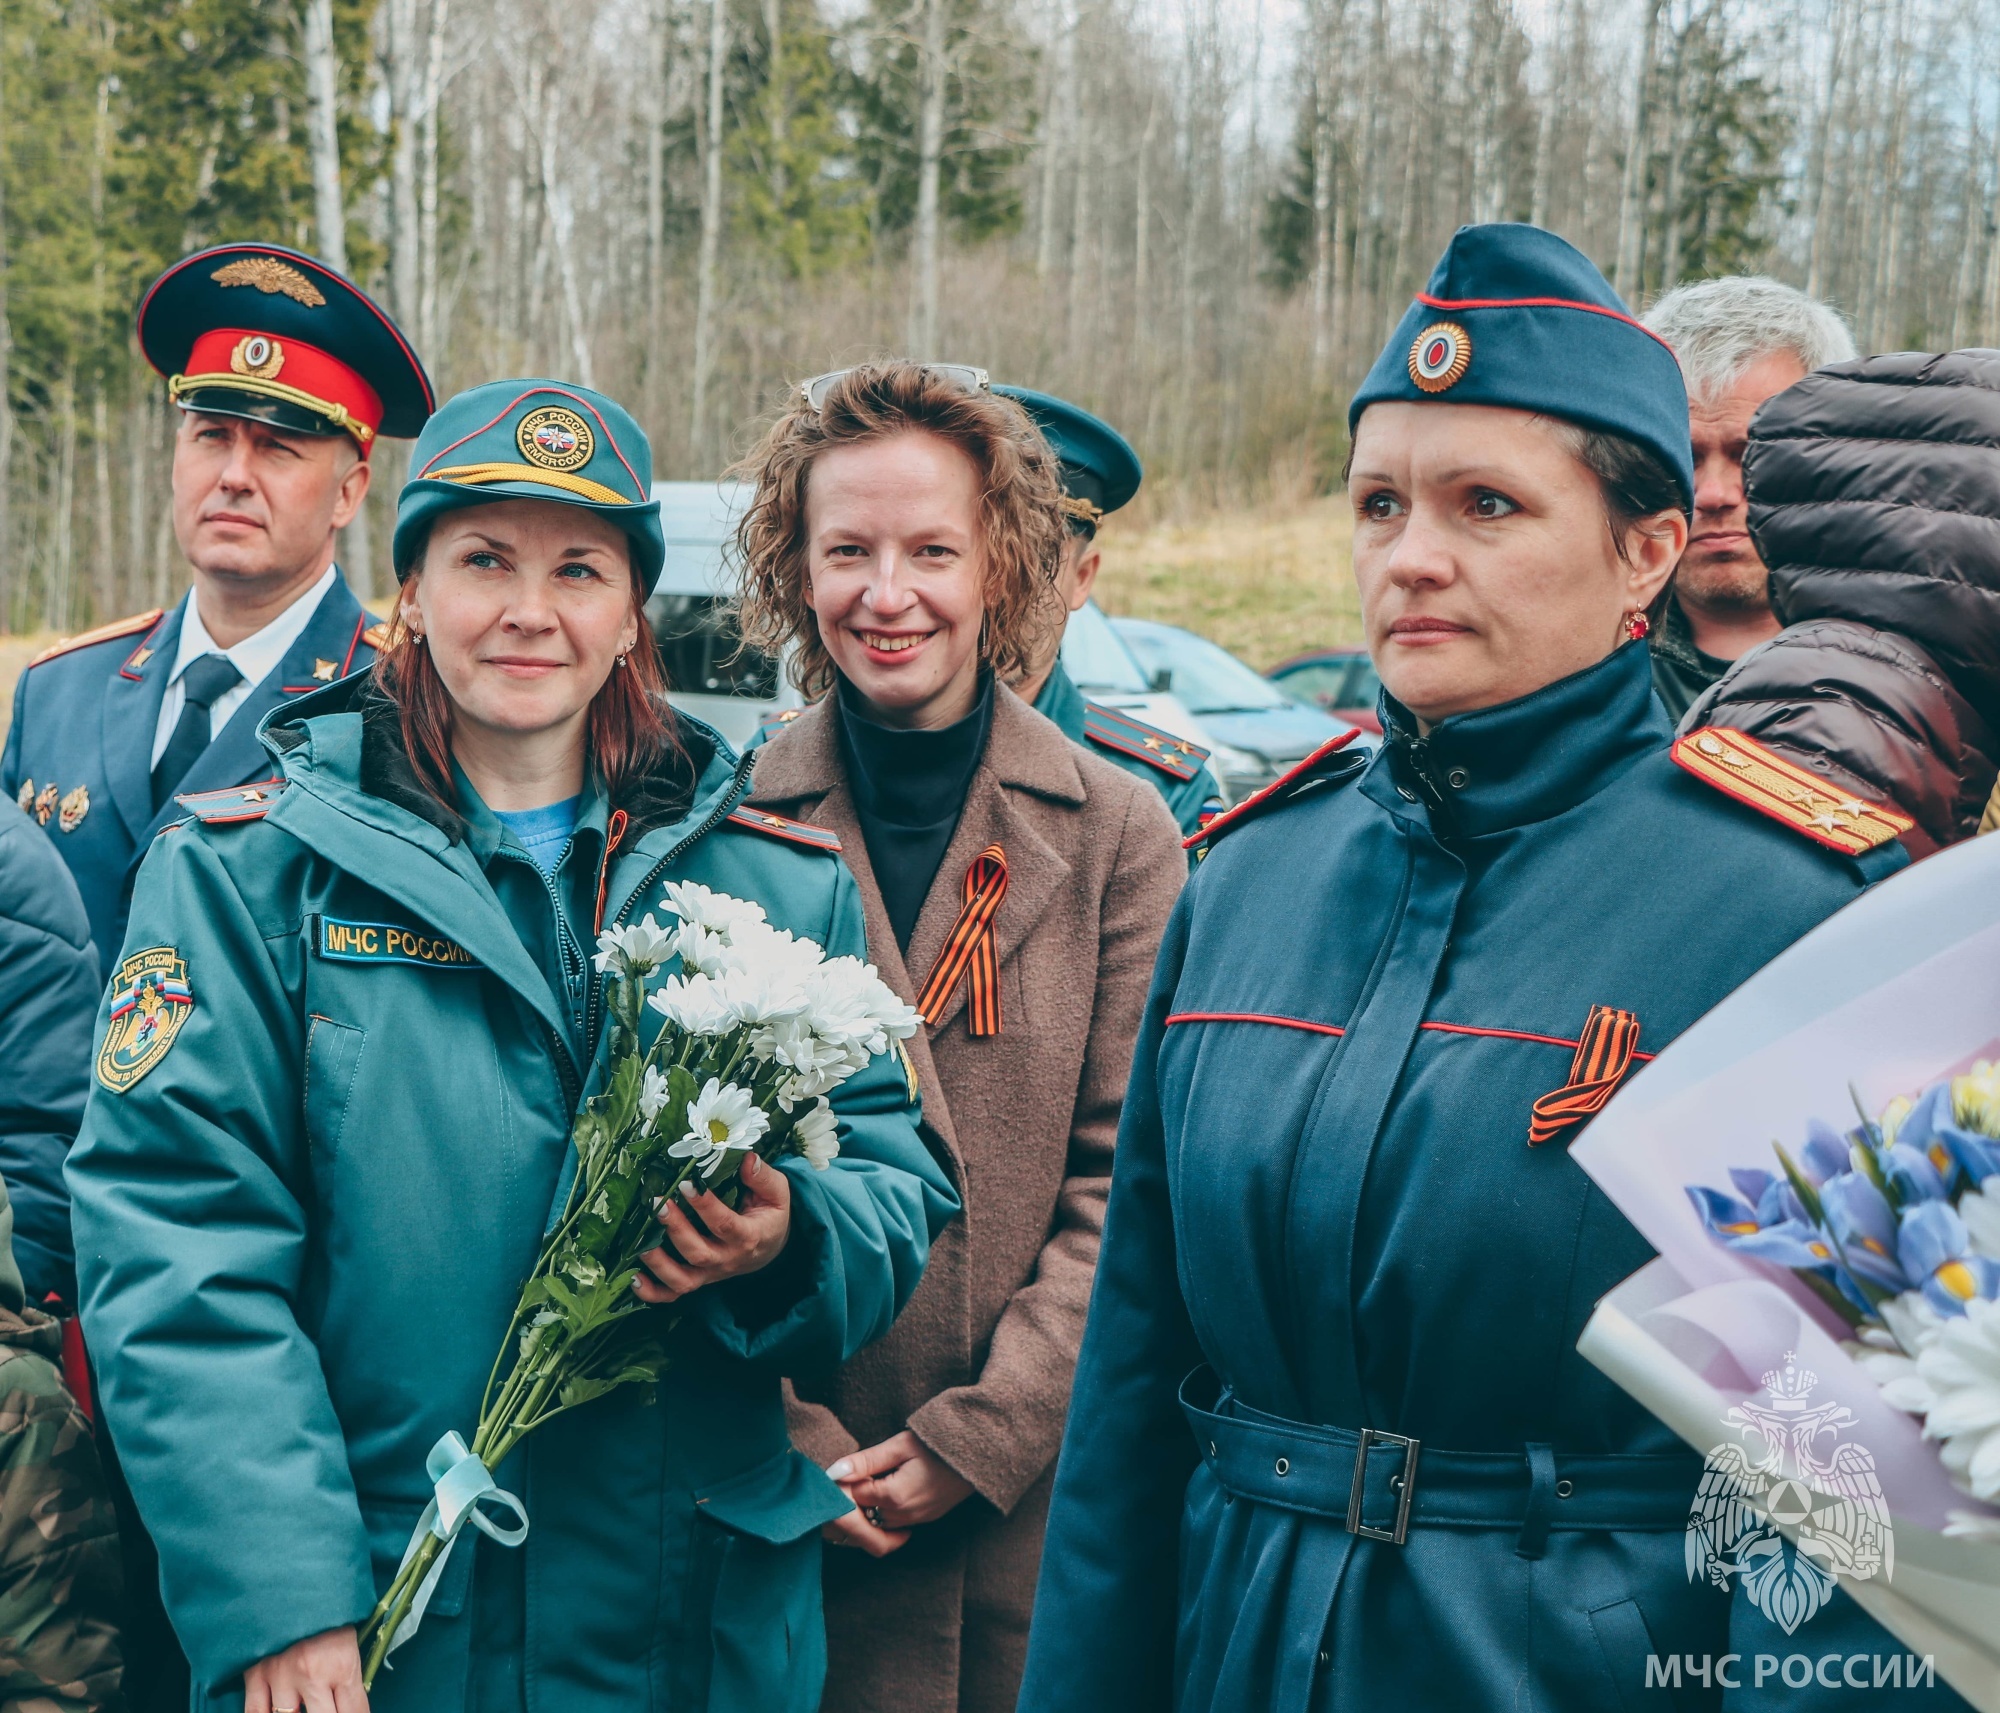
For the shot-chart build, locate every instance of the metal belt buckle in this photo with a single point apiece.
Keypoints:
(1405, 1486)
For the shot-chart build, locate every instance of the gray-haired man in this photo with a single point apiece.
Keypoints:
(1740, 340)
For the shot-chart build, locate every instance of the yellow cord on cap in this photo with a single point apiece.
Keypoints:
(478, 475)
(179, 386)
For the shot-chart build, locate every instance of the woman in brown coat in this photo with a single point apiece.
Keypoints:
(902, 547)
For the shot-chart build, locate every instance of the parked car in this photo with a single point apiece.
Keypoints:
(714, 678)
(1343, 681)
(1256, 730)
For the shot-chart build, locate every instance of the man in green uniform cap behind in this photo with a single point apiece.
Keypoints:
(1100, 473)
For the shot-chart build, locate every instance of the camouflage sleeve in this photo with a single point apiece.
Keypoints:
(61, 1581)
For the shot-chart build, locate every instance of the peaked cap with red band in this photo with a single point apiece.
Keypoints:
(1514, 316)
(263, 332)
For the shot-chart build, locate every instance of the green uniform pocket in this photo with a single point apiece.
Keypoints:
(767, 1629)
(333, 1059)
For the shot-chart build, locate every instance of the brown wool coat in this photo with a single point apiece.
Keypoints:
(979, 1365)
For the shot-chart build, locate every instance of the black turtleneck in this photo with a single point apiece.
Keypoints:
(909, 787)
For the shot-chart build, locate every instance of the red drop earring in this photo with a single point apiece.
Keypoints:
(1637, 626)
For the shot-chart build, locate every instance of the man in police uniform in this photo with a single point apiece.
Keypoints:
(1100, 473)
(285, 373)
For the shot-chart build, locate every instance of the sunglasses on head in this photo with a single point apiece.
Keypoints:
(963, 376)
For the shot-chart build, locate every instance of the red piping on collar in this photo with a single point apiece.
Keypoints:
(145, 641)
(1450, 303)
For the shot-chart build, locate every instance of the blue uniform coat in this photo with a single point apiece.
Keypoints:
(86, 716)
(303, 1231)
(1325, 1215)
(48, 1005)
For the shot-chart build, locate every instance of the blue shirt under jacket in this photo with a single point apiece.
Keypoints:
(1325, 1214)
(80, 748)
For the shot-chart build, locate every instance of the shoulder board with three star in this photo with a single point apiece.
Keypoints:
(238, 803)
(784, 827)
(1113, 730)
(1326, 765)
(103, 633)
(1742, 768)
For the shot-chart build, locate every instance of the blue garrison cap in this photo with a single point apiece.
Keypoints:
(1515, 316)
(533, 440)
(1100, 471)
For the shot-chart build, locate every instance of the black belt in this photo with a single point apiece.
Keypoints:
(1380, 1485)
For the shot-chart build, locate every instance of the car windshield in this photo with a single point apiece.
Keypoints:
(701, 651)
(1333, 681)
(1207, 679)
(1095, 655)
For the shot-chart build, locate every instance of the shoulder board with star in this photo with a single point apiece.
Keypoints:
(103, 633)
(784, 827)
(1742, 768)
(238, 803)
(773, 724)
(1111, 729)
(1326, 765)
(376, 636)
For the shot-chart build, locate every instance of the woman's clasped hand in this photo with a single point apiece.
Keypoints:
(710, 1241)
(895, 1486)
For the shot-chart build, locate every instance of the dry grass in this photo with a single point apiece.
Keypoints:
(15, 653)
(1266, 584)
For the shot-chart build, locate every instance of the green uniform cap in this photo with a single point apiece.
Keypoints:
(533, 440)
(1100, 471)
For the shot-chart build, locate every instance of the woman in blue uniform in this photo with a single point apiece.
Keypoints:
(309, 1186)
(1331, 1444)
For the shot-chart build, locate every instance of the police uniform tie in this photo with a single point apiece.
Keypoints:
(207, 677)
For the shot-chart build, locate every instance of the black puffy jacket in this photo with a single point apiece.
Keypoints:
(1874, 491)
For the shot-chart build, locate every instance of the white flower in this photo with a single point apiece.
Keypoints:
(652, 1094)
(694, 1004)
(1962, 1368)
(721, 1118)
(817, 1136)
(637, 949)
(1975, 1098)
(1980, 1209)
(760, 995)
(700, 907)
(703, 949)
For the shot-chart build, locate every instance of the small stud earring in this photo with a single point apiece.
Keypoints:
(1638, 626)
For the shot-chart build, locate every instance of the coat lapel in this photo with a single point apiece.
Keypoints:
(236, 757)
(132, 698)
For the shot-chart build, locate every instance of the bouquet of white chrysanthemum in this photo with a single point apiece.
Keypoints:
(758, 1027)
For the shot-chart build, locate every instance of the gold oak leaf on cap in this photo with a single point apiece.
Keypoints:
(270, 275)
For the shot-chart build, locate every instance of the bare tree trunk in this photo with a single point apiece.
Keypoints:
(429, 332)
(6, 376)
(930, 165)
(1141, 239)
(1989, 320)
(711, 229)
(138, 483)
(56, 608)
(323, 134)
(661, 21)
(1631, 199)
(400, 19)
(562, 223)
(1079, 237)
(1058, 104)
(104, 572)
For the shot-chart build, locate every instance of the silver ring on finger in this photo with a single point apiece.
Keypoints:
(872, 1512)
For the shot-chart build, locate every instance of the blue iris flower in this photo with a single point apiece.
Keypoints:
(1863, 1226)
(1936, 1253)
(1827, 1153)
(1931, 1129)
(1793, 1242)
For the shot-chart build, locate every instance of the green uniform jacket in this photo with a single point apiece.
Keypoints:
(1185, 782)
(301, 1234)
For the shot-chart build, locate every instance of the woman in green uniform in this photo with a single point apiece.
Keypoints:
(1332, 1447)
(306, 1199)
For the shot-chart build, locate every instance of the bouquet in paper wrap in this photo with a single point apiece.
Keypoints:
(1817, 1164)
(759, 1026)
(1895, 1225)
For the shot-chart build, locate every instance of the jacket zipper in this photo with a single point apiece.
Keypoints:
(572, 961)
(737, 791)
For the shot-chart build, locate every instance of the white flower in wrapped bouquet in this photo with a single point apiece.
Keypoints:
(1960, 1366)
(699, 907)
(637, 949)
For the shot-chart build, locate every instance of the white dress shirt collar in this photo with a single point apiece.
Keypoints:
(258, 654)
